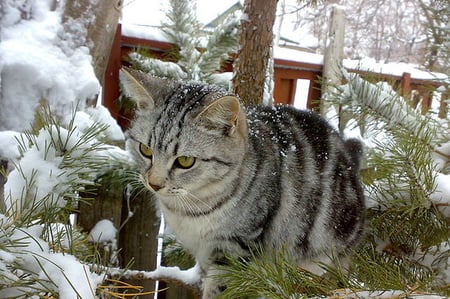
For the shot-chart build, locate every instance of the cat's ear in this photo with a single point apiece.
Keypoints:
(145, 89)
(133, 85)
(224, 115)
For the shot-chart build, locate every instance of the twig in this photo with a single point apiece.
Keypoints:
(190, 278)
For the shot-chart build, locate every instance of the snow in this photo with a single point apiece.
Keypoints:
(43, 64)
(190, 276)
(8, 145)
(387, 294)
(33, 254)
(441, 195)
(297, 56)
(37, 65)
(395, 69)
(103, 231)
(100, 114)
(144, 32)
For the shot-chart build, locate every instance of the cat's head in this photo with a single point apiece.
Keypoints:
(189, 139)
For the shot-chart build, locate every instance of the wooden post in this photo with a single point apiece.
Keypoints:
(334, 54)
(111, 85)
(107, 204)
(444, 106)
(3, 167)
(405, 85)
(427, 97)
(138, 239)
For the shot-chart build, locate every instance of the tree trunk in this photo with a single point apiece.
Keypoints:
(334, 54)
(100, 19)
(255, 41)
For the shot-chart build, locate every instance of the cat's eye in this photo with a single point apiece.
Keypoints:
(185, 162)
(145, 151)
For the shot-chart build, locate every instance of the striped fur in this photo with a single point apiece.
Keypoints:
(263, 176)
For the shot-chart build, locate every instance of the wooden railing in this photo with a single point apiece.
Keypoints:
(286, 74)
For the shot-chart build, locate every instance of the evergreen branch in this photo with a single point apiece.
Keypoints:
(385, 104)
(271, 275)
(157, 67)
(182, 29)
(221, 42)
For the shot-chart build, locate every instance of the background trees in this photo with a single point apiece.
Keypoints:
(386, 30)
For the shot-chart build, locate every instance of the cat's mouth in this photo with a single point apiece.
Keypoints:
(162, 191)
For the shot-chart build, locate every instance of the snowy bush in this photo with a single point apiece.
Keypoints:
(39, 255)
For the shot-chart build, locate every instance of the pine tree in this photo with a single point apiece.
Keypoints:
(42, 254)
(198, 53)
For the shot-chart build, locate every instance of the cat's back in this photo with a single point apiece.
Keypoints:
(309, 177)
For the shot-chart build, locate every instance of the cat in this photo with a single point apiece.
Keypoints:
(230, 179)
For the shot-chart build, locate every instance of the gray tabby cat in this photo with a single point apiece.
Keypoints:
(229, 179)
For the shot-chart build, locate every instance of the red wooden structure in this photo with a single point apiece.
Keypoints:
(287, 73)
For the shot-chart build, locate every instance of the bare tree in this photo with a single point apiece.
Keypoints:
(385, 30)
(437, 23)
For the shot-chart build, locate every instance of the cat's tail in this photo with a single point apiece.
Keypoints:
(355, 149)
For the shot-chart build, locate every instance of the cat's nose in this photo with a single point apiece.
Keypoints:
(155, 187)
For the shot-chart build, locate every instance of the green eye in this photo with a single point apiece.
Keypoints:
(145, 151)
(185, 162)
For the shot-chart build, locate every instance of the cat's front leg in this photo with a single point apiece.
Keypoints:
(213, 285)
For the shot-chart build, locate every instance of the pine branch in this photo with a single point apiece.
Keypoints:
(389, 107)
(221, 42)
(182, 29)
(157, 67)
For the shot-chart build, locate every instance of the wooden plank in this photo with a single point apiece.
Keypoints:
(283, 93)
(138, 238)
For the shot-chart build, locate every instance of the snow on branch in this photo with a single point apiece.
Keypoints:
(392, 108)
(190, 277)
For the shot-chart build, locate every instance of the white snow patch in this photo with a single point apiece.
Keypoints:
(100, 114)
(8, 145)
(103, 231)
(441, 195)
(35, 65)
(32, 254)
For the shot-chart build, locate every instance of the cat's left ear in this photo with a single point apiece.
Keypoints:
(225, 115)
(133, 86)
